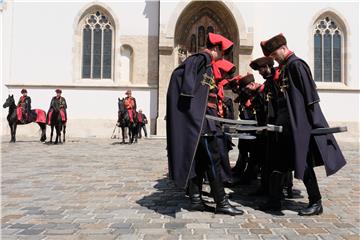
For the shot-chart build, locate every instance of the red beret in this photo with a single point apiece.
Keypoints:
(261, 62)
(226, 66)
(23, 90)
(58, 90)
(272, 44)
(217, 39)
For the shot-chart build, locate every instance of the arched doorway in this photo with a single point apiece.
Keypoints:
(184, 33)
(196, 21)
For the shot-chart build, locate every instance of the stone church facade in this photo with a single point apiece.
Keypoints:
(96, 50)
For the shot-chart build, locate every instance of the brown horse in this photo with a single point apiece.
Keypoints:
(13, 119)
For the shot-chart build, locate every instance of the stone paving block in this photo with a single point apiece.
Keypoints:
(161, 237)
(271, 237)
(193, 237)
(224, 225)
(64, 237)
(238, 231)
(258, 231)
(211, 236)
(21, 226)
(154, 231)
(210, 231)
(148, 225)
(9, 237)
(305, 231)
(198, 225)
(122, 231)
(173, 225)
(250, 225)
(30, 237)
(248, 237)
(351, 237)
(121, 225)
(330, 237)
(60, 231)
(344, 225)
(31, 232)
(128, 237)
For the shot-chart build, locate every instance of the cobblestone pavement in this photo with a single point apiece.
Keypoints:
(96, 189)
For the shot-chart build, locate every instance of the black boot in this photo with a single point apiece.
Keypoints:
(197, 204)
(312, 188)
(312, 209)
(224, 207)
(194, 192)
(222, 203)
(275, 193)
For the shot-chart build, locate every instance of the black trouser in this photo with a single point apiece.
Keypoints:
(208, 159)
(143, 127)
(311, 185)
(247, 161)
(224, 144)
(288, 180)
(277, 180)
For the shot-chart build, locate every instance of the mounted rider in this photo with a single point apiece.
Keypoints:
(23, 109)
(130, 104)
(58, 103)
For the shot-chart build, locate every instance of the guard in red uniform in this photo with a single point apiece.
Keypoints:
(23, 109)
(192, 139)
(130, 104)
(58, 103)
(142, 121)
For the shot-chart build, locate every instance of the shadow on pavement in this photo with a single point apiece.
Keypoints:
(167, 200)
(242, 195)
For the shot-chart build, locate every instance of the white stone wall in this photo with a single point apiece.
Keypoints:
(40, 53)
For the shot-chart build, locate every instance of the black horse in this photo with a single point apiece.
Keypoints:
(124, 122)
(13, 119)
(57, 122)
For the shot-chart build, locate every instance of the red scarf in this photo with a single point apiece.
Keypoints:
(140, 117)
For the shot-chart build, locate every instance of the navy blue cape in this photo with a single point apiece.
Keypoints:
(186, 103)
(305, 115)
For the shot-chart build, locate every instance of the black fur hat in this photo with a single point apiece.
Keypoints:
(272, 44)
(261, 62)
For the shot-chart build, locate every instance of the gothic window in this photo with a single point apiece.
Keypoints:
(97, 46)
(328, 39)
(201, 37)
(193, 43)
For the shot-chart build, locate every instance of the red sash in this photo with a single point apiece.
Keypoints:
(131, 115)
(62, 114)
(140, 117)
(19, 113)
